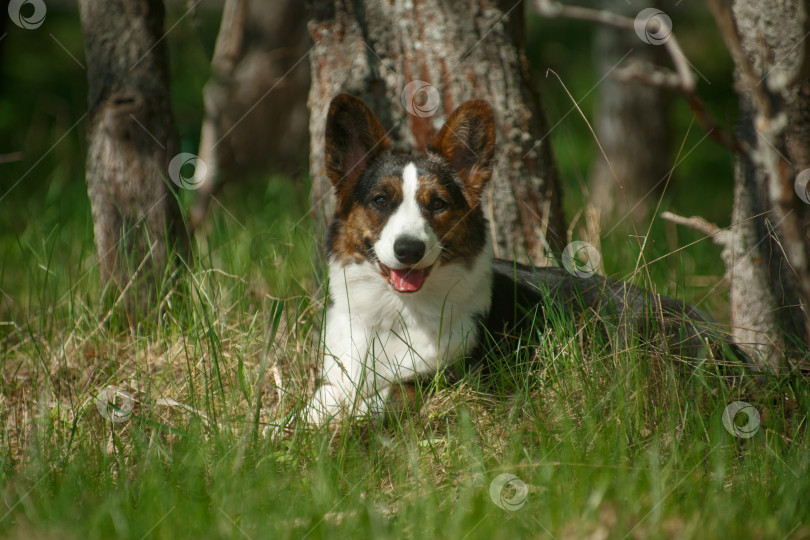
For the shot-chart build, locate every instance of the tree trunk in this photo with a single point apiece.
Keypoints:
(459, 50)
(131, 140)
(228, 52)
(768, 254)
(255, 101)
(631, 122)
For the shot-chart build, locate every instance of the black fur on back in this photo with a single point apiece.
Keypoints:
(518, 290)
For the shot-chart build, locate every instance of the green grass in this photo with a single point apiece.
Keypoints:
(610, 442)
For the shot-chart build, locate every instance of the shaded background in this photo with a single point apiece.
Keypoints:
(260, 213)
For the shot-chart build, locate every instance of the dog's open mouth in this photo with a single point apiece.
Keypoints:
(406, 280)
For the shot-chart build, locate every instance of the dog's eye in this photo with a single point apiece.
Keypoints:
(438, 204)
(381, 201)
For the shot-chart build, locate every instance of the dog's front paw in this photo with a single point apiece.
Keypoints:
(276, 430)
(330, 403)
(326, 405)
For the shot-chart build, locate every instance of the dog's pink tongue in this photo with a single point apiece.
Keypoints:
(407, 280)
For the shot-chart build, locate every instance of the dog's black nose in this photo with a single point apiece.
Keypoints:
(409, 250)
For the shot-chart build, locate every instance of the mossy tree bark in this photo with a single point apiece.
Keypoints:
(767, 255)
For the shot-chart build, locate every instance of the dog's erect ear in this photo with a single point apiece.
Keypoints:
(467, 141)
(354, 137)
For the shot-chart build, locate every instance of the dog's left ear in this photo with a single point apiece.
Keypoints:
(467, 141)
(354, 137)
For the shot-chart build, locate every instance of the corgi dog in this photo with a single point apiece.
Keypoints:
(413, 285)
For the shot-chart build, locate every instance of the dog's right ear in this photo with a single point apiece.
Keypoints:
(354, 137)
(467, 141)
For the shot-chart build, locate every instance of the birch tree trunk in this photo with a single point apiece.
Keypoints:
(413, 62)
(768, 252)
(131, 140)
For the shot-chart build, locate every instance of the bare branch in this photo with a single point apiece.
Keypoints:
(643, 72)
(647, 73)
(551, 8)
(695, 222)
